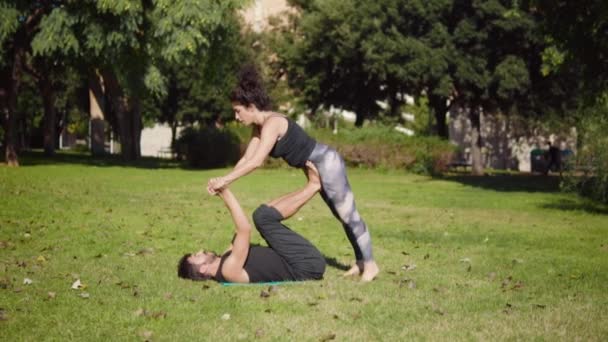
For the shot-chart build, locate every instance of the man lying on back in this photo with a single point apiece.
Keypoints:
(288, 257)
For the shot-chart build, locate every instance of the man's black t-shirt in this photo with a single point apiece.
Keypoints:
(263, 264)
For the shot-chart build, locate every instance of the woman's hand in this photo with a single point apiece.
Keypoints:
(216, 184)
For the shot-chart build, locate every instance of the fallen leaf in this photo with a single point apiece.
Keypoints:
(51, 295)
(85, 295)
(225, 316)
(467, 260)
(139, 312)
(77, 285)
(328, 337)
(408, 268)
(146, 251)
(41, 259)
(146, 334)
(518, 285)
(27, 281)
(158, 314)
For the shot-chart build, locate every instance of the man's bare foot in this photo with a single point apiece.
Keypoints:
(370, 271)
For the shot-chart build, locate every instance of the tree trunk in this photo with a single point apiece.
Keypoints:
(50, 116)
(361, 115)
(128, 117)
(97, 109)
(477, 165)
(439, 107)
(10, 134)
(173, 134)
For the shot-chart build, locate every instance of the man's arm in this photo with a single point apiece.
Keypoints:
(289, 204)
(232, 268)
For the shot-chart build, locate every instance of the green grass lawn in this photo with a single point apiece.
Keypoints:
(462, 258)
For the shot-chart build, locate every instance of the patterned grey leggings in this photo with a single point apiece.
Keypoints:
(338, 196)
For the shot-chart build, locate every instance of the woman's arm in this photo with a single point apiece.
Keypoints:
(268, 137)
(251, 147)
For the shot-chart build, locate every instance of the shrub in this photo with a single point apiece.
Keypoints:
(207, 147)
(375, 146)
(589, 175)
(382, 146)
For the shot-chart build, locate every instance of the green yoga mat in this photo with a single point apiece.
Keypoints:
(270, 283)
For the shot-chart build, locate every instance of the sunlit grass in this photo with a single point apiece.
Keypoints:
(487, 259)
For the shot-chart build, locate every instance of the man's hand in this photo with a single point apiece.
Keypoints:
(312, 174)
(214, 185)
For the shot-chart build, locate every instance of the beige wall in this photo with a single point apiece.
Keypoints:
(258, 12)
(507, 141)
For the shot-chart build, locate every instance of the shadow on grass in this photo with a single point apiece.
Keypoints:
(332, 262)
(37, 158)
(510, 182)
(580, 205)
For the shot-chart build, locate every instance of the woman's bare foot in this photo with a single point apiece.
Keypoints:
(355, 269)
(368, 270)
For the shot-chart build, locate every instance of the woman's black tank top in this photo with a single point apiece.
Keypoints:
(295, 146)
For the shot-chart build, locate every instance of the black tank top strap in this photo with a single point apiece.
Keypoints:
(294, 146)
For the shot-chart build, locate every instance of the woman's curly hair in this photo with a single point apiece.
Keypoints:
(250, 89)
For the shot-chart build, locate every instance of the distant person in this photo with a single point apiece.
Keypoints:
(288, 257)
(280, 137)
(554, 158)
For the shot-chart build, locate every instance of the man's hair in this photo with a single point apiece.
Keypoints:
(187, 270)
(250, 89)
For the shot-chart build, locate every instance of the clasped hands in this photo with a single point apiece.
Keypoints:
(215, 185)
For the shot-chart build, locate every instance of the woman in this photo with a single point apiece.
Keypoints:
(280, 137)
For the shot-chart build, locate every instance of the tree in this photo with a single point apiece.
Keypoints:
(20, 20)
(197, 89)
(119, 43)
(484, 55)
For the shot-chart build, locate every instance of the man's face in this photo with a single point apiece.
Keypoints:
(202, 258)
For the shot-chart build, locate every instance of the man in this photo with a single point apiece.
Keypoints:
(554, 159)
(288, 256)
